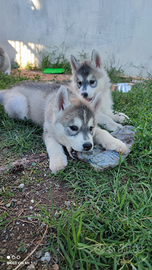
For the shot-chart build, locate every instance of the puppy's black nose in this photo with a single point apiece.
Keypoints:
(87, 146)
(85, 94)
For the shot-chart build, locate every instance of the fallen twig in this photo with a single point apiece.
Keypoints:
(134, 78)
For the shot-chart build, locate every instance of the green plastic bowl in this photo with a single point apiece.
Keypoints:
(53, 70)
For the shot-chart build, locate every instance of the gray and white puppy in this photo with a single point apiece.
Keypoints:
(67, 119)
(5, 64)
(89, 78)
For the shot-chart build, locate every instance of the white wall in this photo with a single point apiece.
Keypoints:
(119, 29)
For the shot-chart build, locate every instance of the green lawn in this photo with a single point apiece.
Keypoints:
(110, 224)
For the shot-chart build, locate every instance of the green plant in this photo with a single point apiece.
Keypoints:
(31, 66)
(55, 59)
(14, 65)
(36, 77)
(22, 247)
(83, 55)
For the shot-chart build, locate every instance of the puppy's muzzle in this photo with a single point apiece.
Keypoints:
(84, 94)
(87, 146)
(74, 154)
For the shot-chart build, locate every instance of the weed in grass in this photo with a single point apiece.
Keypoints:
(20, 136)
(36, 77)
(22, 247)
(31, 66)
(55, 59)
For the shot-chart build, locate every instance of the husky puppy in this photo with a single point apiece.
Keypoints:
(89, 78)
(5, 64)
(68, 120)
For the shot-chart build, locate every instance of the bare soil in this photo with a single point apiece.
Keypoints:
(22, 238)
(31, 74)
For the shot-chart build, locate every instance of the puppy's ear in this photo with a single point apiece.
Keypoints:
(74, 63)
(96, 103)
(62, 100)
(96, 59)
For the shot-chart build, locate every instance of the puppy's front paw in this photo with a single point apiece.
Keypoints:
(58, 163)
(117, 146)
(122, 117)
(115, 126)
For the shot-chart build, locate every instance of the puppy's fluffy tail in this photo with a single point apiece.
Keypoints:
(2, 95)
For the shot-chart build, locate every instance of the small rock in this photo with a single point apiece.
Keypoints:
(3, 251)
(18, 203)
(38, 254)
(31, 267)
(21, 186)
(32, 201)
(8, 204)
(77, 265)
(56, 214)
(46, 257)
(31, 207)
(67, 203)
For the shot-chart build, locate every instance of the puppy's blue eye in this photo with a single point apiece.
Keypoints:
(79, 83)
(92, 81)
(91, 128)
(74, 128)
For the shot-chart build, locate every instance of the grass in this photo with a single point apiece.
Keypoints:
(6, 80)
(109, 224)
(18, 136)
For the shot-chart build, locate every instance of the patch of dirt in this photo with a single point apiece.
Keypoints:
(27, 182)
(23, 184)
(32, 74)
